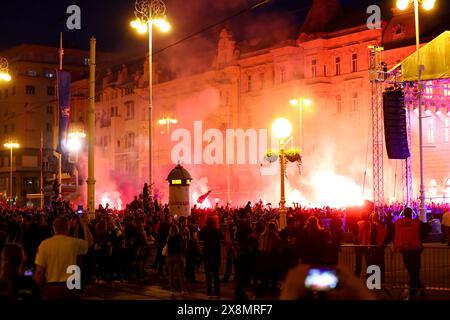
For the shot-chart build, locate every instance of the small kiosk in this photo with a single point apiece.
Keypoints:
(179, 191)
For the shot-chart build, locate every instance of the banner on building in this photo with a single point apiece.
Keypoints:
(64, 96)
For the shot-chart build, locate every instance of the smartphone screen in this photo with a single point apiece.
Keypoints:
(321, 279)
(28, 272)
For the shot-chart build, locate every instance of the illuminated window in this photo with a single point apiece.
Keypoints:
(429, 89)
(432, 189)
(338, 66)
(338, 104)
(354, 102)
(447, 129)
(446, 89)
(354, 62)
(176, 181)
(313, 68)
(430, 132)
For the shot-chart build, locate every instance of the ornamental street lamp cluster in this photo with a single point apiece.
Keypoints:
(4, 73)
(150, 13)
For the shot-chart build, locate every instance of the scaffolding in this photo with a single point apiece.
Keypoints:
(377, 74)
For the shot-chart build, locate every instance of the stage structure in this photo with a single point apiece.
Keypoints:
(376, 78)
(435, 57)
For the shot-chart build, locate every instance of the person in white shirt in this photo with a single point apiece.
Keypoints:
(445, 223)
(55, 255)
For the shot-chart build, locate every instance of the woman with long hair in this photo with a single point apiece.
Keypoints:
(14, 284)
(175, 262)
(314, 242)
(269, 260)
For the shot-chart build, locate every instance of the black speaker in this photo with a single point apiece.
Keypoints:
(395, 129)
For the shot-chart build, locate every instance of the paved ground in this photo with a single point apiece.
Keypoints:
(154, 288)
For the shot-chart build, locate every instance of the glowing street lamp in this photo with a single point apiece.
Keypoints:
(74, 143)
(300, 103)
(4, 74)
(281, 130)
(11, 146)
(427, 5)
(167, 121)
(150, 13)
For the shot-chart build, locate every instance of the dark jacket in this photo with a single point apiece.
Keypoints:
(211, 238)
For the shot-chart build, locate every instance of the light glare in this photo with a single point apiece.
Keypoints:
(162, 24)
(402, 4)
(428, 4)
(281, 128)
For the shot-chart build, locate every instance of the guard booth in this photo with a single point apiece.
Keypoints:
(179, 191)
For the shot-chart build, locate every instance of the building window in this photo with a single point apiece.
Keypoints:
(338, 66)
(283, 75)
(313, 68)
(354, 62)
(30, 90)
(429, 89)
(446, 89)
(338, 104)
(324, 70)
(129, 91)
(130, 110)
(430, 132)
(447, 188)
(51, 91)
(50, 109)
(49, 127)
(261, 80)
(13, 127)
(354, 102)
(31, 73)
(129, 140)
(432, 189)
(249, 83)
(447, 129)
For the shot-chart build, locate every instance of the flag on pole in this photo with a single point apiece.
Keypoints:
(203, 197)
(64, 96)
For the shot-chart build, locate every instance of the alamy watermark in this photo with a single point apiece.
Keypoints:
(73, 22)
(374, 20)
(74, 280)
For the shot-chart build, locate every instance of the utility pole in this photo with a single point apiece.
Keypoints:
(91, 131)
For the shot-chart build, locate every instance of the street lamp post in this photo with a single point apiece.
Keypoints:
(149, 13)
(281, 130)
(427, 5)
(75, 144)
(11, 146)
(300, 103)
(167, 121)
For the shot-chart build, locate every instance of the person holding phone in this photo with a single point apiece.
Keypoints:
(309, 282)
(16, 283)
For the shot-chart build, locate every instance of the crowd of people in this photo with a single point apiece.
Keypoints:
(244, 244)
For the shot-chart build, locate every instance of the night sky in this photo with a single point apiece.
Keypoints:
(31, 21)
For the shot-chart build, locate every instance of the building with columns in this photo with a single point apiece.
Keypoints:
(246, 87)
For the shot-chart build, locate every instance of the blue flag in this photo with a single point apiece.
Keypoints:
(64, 96)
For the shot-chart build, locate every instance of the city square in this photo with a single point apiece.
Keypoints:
(245, 150)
